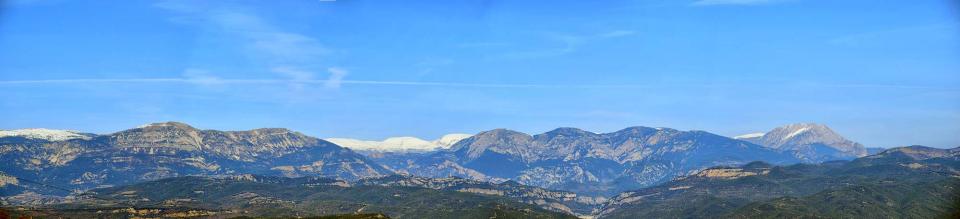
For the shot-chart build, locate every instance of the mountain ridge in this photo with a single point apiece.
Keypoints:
(810, 142)
(573, 159)
(169, 149)
(889, 184)
(564, 158)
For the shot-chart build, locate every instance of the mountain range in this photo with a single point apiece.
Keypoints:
(569, 159)
(585, 162)
(170, 149)
(173, 169)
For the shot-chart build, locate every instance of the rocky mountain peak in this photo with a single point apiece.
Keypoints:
(167, 125)
(160, 135)
(502, 141)
(568, 132)
(642, 131)
(801, 133)
(637, 130)
(798, 129)
(498, 132)
(496, 136)
(806, 136)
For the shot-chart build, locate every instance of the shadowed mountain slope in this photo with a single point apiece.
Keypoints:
(907, 182)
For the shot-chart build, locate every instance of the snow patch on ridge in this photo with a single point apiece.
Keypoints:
(796, 132)
(44, 134)
(449, 140)
(400, 144)
(751, 135)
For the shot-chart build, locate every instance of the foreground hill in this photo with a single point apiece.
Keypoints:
(162, 150)
(554, 200)
(256, 196)
(907, 182)
(590, 163)
(557, 201)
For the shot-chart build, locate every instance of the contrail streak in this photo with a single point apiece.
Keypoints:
(282, 81)
(216, 81)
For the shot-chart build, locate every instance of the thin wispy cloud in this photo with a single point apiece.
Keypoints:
(429, 65)
(201, 77)
(482, 44)
(291, 55)
(617, 33)
(733, 2)
(293, 73)
(336, 80)
(933, 32)
(568, 43)
(336, 77)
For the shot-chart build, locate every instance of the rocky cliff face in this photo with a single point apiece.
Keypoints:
(810, 142)
(170, 149)
(248, 146)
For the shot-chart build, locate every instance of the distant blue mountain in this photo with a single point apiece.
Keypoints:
(590, 163)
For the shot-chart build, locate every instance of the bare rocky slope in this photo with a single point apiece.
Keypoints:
(171, 149)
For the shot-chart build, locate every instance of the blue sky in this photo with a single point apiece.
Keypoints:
(884, 73)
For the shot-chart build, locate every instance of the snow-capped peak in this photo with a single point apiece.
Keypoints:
(792, 130)
(45, 134)
(449, 140)
(796, 132)
(802, 134)
(400, 144)
(751, 135)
